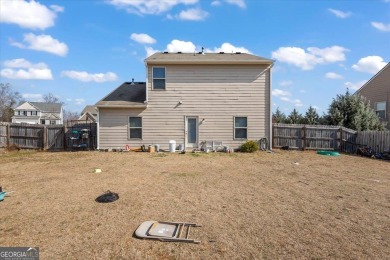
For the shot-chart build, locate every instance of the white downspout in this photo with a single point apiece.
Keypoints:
(97, 129)
(270, 107)
(146, 84)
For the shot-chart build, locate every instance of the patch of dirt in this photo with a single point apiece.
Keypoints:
(286, 204)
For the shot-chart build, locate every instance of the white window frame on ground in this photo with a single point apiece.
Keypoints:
(135, 127)
(158, 78)
(380, 109)
(240, 128)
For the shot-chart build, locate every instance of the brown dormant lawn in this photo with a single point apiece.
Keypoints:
(286, 205)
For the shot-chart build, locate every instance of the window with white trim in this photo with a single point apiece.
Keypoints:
(158, 78)
(380, 109)
(135, 127)
(240, 127)
(52, 122)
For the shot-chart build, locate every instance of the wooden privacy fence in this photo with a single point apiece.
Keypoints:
(45, 137)
(314, 137)
(379, 141)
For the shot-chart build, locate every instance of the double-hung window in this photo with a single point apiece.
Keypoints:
(240, 127)
(380, 108)
(135, 127)
(159, 78)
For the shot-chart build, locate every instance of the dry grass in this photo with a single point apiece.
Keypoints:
(250, 205)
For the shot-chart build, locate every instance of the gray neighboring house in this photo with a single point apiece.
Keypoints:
(89, 114)
(190, 98)
(38, 113)
(377, 91)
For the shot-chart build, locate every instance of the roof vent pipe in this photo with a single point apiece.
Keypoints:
(132, 81)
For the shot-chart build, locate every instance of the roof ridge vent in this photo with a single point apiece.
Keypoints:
(179, 52)
(221, 52)
(238, 52)
(165, 52)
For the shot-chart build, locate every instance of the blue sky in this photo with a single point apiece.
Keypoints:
(80, 50)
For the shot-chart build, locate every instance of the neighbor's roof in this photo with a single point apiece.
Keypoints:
(47, 107)
(90, 109)
(129, 94)
(206, 58)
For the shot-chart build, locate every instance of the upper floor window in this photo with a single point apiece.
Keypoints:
(25, 113)
(34, 113)
(380, 108)
(158, 78)
(240, 128)
(52, 122)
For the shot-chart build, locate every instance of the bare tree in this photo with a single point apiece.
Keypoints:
(70, 115)
(8, 101)
(51, 98)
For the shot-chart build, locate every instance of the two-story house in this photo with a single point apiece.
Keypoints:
(190, 98)
(377, 92)
(38, 113)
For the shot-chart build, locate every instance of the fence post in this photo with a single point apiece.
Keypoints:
(44, 141)
(273, 136)
(304, 137)
(8, 132)
(65, 143)
(341, 139)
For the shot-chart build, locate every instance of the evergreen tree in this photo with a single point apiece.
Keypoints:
(354, 112)
(278, 116)
(311, 116)
(294, 117)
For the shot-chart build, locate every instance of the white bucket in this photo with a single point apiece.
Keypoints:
(172, 146)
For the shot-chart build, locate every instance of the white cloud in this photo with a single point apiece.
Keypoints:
(340, 14)
(149, 6)
(354, 86)
(33, 97)
(280, 93)
(239, 3)
(193, 14)
(183, 46)
(57, 8)
(88, 77)
(24, 69)
(381, 26)
(308, 60)
(28, 14)
(79, 101)
(285, 83)
(370, 64)
(150, 51)
(42, 42)
(228, 48)
(216, 3)
(295, 102)
(333, 75)
(142, 38)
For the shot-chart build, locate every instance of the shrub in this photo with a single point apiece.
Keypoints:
(249, 147)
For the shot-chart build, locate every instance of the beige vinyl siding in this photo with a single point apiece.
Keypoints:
(214, 93)
(378, 90)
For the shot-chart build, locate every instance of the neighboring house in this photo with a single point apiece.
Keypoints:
(377, 92)
(190, 98)
(38, 113)
(89, 114)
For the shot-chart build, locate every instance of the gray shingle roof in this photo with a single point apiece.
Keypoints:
(90, 109)
(47, 107)
(206, 58)
(129, 94)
